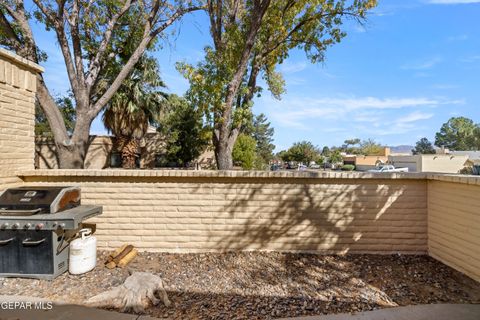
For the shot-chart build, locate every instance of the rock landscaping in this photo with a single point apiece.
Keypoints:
(266, 285)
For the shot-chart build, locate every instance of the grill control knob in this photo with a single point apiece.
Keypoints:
(27, 226)
(15, 226)
(39, 226)
(5, 225)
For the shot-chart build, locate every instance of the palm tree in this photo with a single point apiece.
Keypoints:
(135, 106)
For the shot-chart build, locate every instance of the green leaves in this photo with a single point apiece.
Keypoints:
(67, 109)
(137, 103)
(459, 133)
(303, 151)
(423, 146)
(244, 151)
(184, 131)
(260, 129)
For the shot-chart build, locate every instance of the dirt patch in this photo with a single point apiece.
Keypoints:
(260, 285)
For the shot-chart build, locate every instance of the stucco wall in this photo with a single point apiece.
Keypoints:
(187, 211)
(98, 155)
(17, 115)
(454, 222)
(101, 147)
(430, 162)
(413, 163)
(443, 163)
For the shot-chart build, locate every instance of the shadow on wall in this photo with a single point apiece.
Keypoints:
(46, 156)
(98, 153)
(332, 218)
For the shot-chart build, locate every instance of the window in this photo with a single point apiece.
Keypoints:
(115, 160)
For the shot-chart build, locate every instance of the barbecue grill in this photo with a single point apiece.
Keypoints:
(37, 225)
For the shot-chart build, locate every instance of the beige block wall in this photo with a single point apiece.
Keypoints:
(213, 211)
(17, 116)
(454, 223)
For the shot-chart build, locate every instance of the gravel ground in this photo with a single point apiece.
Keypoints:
(260, 285)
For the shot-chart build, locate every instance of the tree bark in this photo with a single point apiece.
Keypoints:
(72, 153)
(223, 156)
(137, 292)
(224, 149)
(71, 157)
(129, 153)
(227, 134)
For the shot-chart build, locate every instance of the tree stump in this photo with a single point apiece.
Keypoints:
(136, 293)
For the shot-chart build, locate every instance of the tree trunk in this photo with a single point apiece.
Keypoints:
(72, 153)
(223, 156)
(70, 157)
(224, 149)
(129, 153)
(137, 292)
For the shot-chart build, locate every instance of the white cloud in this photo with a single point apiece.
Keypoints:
(442, 86)
(372, 116)
(453, 1)
(359, 28)
(460, 37)
(292, 67)
(470, 59)
(350, 104)
(414, 116)
(422, 65)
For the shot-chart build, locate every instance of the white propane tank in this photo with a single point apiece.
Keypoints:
(83, 253)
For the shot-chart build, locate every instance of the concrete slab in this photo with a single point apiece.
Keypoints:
(41, 309)
(419, 312)
(65, 312)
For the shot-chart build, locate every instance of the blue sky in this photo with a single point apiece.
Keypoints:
(415, 64)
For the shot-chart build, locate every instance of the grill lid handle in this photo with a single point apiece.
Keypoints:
(29, 242)
(7, 241)
(7, 212)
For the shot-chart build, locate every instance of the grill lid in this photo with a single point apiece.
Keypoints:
(35, 200)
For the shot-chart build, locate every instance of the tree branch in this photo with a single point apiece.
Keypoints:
(57, 22)
(148, 36)
(256, 21)
(46, 101)
(74, 22)
(95, 65)
(11, 38)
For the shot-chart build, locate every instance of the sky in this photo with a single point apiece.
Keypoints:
(395, 79)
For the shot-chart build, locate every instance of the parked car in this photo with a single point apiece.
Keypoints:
(389, 168)
(292, 165)
(314, 165)
(275, 167)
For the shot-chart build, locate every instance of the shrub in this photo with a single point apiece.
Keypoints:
(348, 167)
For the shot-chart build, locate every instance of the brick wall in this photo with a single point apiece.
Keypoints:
(17, 115)
(454, 222)
(188, 211)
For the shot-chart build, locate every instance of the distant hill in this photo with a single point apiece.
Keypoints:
(401, 149)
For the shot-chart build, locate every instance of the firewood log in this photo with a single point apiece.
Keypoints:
(115, 257)
(116, 252)
(127, 258)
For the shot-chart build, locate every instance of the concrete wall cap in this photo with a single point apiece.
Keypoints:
(9, 55)
(220, 174)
